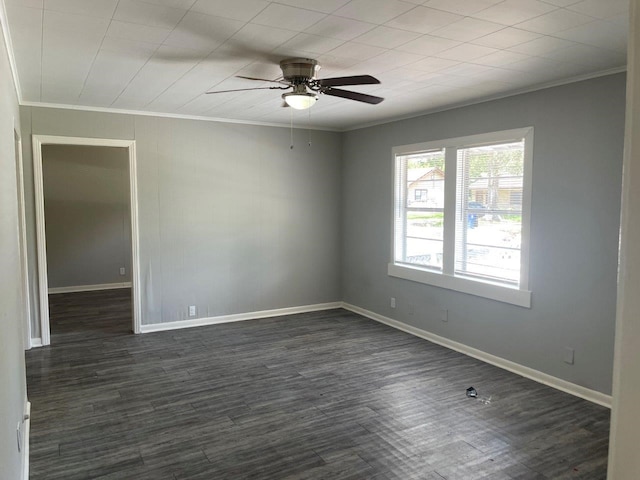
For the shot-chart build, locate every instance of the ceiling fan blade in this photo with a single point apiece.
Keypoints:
(245, 89)
(353, 80)
(357, 96)
(262, 80)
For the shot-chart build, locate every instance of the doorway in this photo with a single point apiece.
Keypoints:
(63, 274)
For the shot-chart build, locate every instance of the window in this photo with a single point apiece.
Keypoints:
(421, 195)
(461, 214)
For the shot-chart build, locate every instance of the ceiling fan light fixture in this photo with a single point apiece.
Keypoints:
(300, 101)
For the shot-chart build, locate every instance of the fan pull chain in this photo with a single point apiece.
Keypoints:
(291, 112)
(309, 126)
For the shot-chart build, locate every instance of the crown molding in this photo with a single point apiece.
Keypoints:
(522, 91)
(145, 113)
(86, 108)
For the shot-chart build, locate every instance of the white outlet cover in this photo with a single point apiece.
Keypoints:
(569, 355)
(393, 302)
(192, 310)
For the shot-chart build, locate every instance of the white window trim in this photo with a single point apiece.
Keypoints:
(517, 295)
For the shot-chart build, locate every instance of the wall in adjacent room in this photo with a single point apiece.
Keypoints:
(87, 215)
(231, 219)
(577, 171)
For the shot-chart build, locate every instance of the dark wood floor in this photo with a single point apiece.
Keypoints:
(326, 395)
(85, 316)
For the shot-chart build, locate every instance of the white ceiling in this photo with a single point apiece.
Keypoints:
(162, 55)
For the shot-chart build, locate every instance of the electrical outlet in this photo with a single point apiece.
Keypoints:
(122, 271)
(569, 355)
(444, 315)
(192, 310)
(393, 302)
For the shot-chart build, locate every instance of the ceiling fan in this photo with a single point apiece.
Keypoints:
(299, 74)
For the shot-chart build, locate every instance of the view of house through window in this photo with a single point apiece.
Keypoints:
(424, 212)
(461, 210)
(489, 211)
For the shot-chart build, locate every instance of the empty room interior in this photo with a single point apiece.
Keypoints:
(319, 239)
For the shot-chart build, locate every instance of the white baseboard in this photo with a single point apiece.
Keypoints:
(527, 372)
(238, 317)
(25, 447)
(540, 377)
(89, 288)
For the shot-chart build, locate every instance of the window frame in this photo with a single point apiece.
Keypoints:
(446, 278)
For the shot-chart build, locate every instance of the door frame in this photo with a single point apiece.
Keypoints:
(43, 283)
(22, 234)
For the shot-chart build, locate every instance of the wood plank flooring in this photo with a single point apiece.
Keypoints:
(89, 315)
(325, 395)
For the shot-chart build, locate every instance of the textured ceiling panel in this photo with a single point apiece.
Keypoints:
(164, 55)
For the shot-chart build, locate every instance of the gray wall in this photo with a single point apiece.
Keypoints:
(578, 144)
(13, 392)
(87, 214)
(231, 219)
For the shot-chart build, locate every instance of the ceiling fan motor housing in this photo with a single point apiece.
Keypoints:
(299, 70)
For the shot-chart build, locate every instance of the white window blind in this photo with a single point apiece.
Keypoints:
(489, 211)
(420, 209)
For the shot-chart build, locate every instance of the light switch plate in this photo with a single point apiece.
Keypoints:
(569, 355)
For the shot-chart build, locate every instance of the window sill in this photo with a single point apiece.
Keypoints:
(501, 293)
